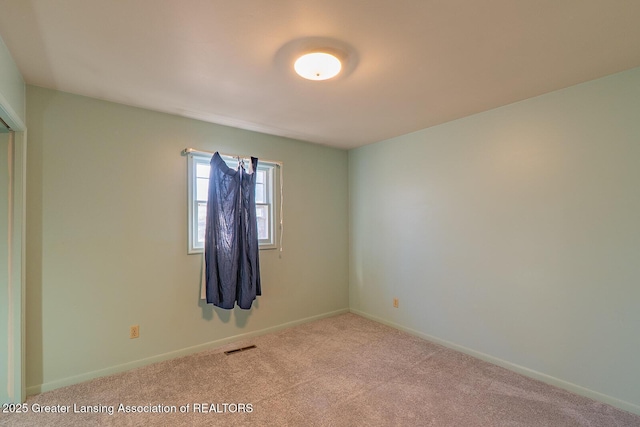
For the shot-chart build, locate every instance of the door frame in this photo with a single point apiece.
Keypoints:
(15, 345)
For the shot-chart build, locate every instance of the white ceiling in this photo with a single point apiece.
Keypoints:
(413, 63)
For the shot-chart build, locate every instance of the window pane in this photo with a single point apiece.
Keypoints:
(262, 215)
(202, 218)
(260, 193)
(260, 176)
(202, 170)
(202, 188)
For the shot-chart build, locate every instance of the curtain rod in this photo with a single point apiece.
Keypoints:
(193, 150)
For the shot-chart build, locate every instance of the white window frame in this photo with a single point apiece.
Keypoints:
(194, 158)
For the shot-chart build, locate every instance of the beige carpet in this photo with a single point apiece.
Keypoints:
(340, 371)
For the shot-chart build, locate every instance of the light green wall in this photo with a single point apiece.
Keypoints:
(107, 238)
(512, 234)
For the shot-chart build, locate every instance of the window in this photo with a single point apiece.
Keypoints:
(198, 189)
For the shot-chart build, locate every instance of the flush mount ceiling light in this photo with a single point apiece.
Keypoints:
(317, 66)
(317, 58)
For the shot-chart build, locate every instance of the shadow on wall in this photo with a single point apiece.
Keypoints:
(241, 316)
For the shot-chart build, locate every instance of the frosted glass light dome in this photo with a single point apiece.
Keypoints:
(317, 66)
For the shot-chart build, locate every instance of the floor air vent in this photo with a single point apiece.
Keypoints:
(237, 350)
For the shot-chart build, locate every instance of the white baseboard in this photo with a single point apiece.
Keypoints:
(52, 385)
(621, 404)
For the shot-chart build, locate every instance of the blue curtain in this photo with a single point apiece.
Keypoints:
(231, 236)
